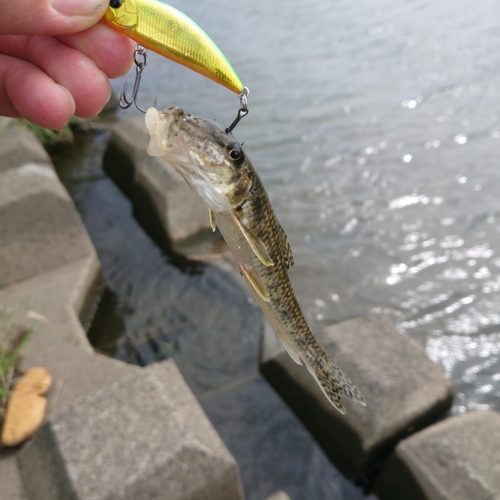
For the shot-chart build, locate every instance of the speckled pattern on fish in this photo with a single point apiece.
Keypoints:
(217, 169)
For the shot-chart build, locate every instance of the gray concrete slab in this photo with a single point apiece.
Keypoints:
(46, 304)
(404, 390)
(163, 203)
(275, 452)
(11, 485)
(19, 146)
(456, 459)
(40, 228)
(5, 122)
(142, 437)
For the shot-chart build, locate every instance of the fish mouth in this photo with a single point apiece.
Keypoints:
(182, 139)
(180, 143)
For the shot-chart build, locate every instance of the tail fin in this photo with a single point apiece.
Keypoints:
(333, 383)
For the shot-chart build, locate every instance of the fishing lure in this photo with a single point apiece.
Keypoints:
(170, 33)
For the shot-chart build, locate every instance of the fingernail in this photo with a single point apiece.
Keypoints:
(110, 92)
(71, 100)
(76, 7)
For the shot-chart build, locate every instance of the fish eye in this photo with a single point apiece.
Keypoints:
(235, 152)
(115, 3)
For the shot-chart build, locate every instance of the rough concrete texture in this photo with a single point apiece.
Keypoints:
(19, 146)
(457, 459)
(404, 390)
(40, 228)
(163, 203)
(274, 451)
(48, 305)
(53, 281)
(142, 437)
(11, 486)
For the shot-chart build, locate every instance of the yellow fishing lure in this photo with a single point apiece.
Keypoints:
(170, 33)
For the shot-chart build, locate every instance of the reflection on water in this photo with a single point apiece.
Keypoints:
(375, 127)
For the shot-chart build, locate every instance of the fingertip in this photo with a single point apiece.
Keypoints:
(36, 97)
(71, 104)
(62, 108)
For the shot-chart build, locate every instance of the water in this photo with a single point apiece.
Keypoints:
(375, 127)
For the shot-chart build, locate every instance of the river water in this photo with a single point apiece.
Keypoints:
(375, 127)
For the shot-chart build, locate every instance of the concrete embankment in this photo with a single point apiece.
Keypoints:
(98, 440)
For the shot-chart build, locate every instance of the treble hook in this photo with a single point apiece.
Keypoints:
(243, 111)
(140, 64)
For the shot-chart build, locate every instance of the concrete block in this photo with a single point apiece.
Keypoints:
(11, 485)
(142, 437)
(274, 451)
(404, 390)
(6, 122)
(163, 203)
(40, 228)
(456, 459)
(19, 146)
(49, 304)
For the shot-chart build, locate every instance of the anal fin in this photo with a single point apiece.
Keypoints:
(254, 284)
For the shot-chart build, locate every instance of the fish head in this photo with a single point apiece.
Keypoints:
(122, 14)
(211, 161)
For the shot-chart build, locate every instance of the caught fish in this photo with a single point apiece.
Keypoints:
(170, 33)
(215, 166)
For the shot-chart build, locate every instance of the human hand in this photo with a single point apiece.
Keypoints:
(56, 58)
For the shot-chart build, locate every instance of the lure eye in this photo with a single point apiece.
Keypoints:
(115, 3)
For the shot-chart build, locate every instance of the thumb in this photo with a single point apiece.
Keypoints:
(49, 17)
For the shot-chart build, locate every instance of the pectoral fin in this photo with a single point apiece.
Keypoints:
(255, 243)
(213, 222)
(254, 284)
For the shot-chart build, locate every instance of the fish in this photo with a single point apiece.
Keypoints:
(172, 34)
(217, 169)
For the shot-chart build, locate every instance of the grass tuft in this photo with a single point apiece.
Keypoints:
(16, 338)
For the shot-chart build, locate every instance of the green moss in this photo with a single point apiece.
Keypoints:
(49, 138)
(14, 339)
(53, 138)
